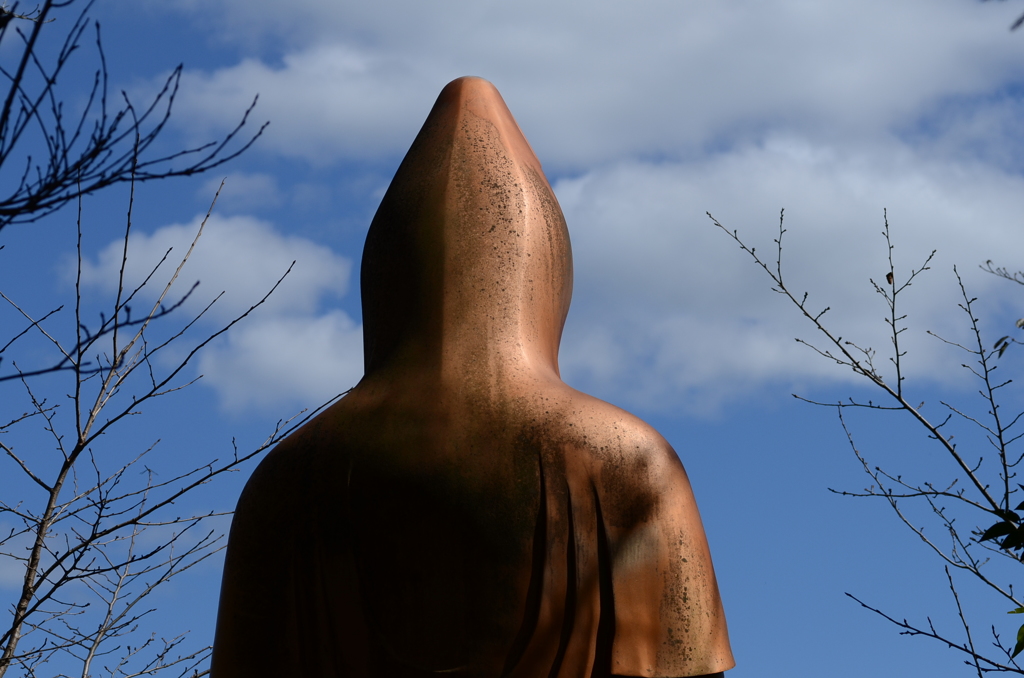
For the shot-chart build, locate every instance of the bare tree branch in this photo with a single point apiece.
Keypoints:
(97, 524)
(980, 492)
(104, 146)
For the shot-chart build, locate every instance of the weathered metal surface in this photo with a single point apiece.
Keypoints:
(462, 511)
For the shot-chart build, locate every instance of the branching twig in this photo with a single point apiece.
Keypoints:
(981, 497)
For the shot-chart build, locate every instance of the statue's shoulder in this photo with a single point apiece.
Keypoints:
(301, 456)
(611, 434)
(629, 465)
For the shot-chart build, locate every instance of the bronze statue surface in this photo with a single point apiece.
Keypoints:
(462, 511)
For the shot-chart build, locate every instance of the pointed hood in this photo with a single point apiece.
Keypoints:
(467, 261)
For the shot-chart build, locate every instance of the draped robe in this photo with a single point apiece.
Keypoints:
(462, 511)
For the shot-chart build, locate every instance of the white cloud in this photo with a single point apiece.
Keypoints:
(290, 351)
(324, 103)
(239, 255)
(305, 360)
(653, 113)
(668, 310)
(597, 81)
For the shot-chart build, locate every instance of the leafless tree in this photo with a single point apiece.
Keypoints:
(49, 157)
(94, 531)
(980, 526)
(99, 147)
(93, 521)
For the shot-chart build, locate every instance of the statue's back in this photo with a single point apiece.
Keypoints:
(462, 511)
(543, 535)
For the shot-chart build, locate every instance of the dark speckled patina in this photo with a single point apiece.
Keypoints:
(462, 511)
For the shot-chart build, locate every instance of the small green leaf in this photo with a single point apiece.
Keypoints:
(997, 530)
(1020, 642)
(1019, 610)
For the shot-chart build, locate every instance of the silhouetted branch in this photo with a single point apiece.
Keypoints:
(987, 494)
(85, 538)
(103, 146)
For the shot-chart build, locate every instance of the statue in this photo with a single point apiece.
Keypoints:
(462, 512)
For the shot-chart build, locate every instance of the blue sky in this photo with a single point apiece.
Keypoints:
(644, 115)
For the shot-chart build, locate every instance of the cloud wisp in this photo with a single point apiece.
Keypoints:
(646, 117)
(600, 82)
(661, 292)
(294, 350)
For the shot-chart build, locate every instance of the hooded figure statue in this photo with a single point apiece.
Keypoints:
(462, 512)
